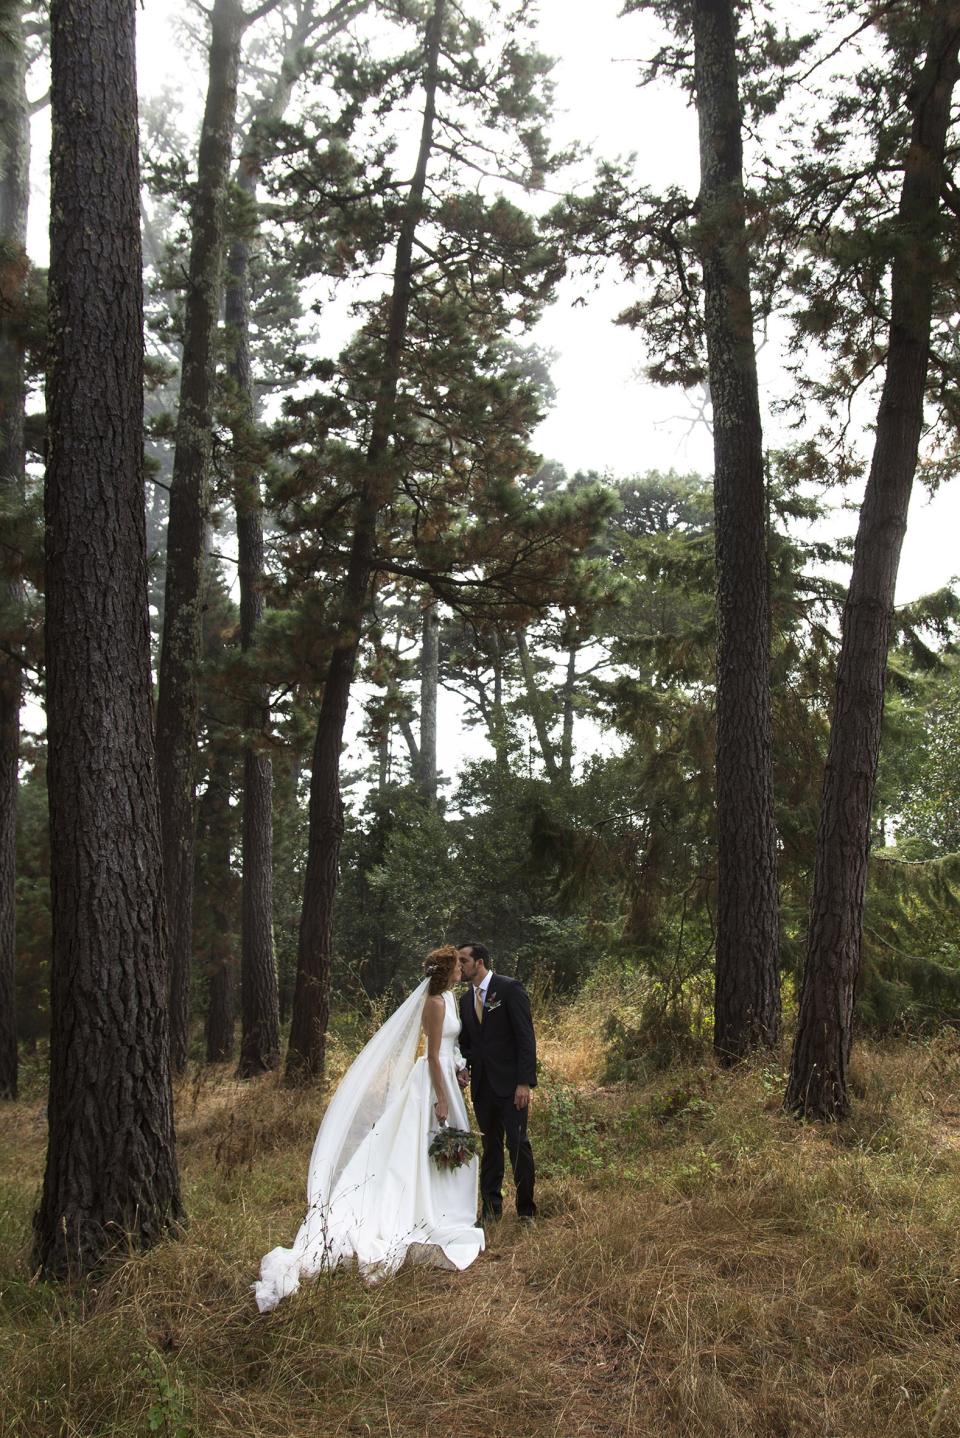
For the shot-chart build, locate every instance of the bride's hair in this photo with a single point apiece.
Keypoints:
(439, 966)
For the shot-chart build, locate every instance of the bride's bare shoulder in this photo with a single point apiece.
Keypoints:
(433, 1004)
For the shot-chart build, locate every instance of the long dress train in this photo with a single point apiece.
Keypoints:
(390, 1199)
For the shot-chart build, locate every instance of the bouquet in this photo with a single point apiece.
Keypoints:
(452, 1147)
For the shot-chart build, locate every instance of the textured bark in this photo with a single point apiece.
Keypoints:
(311, 1004)
(747, 992)
(14, 197)
(410, 739)
(497, 721)
(429, 683)
(111, 1177)
(260, 1020)
(180, 650)
(818, 1084)
(569, 697)
(216, 884)
(535, 705)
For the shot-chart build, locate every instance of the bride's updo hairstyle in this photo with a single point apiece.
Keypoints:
(439, 966)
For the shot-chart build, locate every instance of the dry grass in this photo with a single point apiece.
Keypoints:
(705, 1266)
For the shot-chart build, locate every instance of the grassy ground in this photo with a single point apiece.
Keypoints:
(704, 1266)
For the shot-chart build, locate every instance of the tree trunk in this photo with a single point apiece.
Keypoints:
(569, 696)
(14, 198)
(535, 705)
(181, 646)
(747, 992)
(497, 725)
(260, 1000)
(410, 739)
(818, 1084)
(111, 1176)
(429, 683)
(216, 885)
(311, 1004)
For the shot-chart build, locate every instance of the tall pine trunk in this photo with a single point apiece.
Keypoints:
(569, 705)
(14, 198)
(535, 705)
(111, 1176)
(747, 993)
(215, 826)
(311, 1004)
(429, 685)
(181, 645)
(259, 993)
(818, 1084)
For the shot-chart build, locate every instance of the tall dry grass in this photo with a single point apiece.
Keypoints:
(704, 1266)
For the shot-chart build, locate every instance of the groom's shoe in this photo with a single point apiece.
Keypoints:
(489, 1214)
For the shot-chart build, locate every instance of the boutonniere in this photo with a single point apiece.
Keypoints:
(491, 1004)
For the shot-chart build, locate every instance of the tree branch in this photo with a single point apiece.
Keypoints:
(259, 12)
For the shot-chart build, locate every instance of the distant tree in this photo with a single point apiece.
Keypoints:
(111, 1176)
(180, 651)
(697, 315)
(14, 198)
(309, 25)
(407, 463)
(819, 1071)
(305, 1056)
(215, 925)
(929, 811)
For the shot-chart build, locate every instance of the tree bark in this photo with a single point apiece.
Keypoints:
(111, 1175)
(311, 1004)
(181, 646)
(216, 884)
(498, 717)
(429, 684)
(14, 199)
(260, 1000)
(819, 1071)
(535, 705)
(747, 990)
(569, 697)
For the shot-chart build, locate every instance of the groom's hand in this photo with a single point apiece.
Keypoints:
(463, 1077)
(521, 1098)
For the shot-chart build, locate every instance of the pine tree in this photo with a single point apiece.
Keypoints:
(111, 1176)
(14, 199)
(177, 703)
(260, 1026)
(311, 1008)
(747, 998)
(818, 1084)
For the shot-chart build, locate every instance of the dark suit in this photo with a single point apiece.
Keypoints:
(501, 1053)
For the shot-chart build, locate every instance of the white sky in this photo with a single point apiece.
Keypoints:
(607, 416)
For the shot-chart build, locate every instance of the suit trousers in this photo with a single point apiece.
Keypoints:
(500, 1118)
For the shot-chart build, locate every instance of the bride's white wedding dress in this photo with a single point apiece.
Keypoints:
(373, 1193)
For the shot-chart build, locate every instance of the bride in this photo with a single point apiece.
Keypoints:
(373, 1194)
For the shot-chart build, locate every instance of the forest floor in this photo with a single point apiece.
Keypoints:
(703, 1265)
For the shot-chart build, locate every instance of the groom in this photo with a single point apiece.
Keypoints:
(498, 1045)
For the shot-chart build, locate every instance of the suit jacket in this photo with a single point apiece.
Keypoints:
(502, 1049)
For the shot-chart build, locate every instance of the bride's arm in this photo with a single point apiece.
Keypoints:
(433, 1012)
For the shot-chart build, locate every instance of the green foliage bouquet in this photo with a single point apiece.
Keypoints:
(452, 1147)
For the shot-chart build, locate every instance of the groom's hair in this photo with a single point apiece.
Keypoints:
(478, 951)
